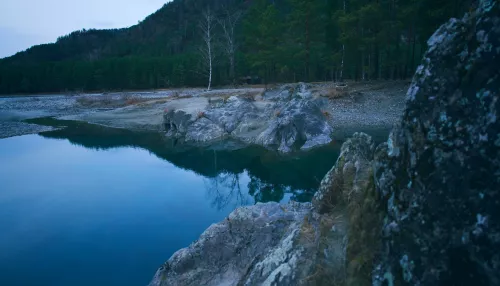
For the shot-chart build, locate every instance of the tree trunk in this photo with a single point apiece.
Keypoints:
(413, 50)
(362, 57)
(231, 70)
(210, 66)
(369, 65)
(343, 53)
(206, 26)
(228, 25)
(308, 44)
(363, 65)
(342, 64)
(380, 65)
(376, 62)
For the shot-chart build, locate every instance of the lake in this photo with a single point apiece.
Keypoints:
(89, 205)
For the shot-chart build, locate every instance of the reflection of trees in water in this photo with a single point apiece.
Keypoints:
(272, 177)
(225, 189)
(265, 192)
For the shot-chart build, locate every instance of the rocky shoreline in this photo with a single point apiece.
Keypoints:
(305, 113)
(421, 209)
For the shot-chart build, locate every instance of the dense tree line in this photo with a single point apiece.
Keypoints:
(274, 40)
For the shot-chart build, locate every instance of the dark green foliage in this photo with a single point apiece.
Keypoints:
(277, 40)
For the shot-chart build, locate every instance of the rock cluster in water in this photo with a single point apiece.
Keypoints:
(421, 209)
(288, 118)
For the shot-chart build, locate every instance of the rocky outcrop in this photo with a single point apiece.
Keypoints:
(286, 119)
(288, 244)
(421, 209)
(439, 173)
(265, 244)
(297, 124)
(349, 187)
(434, 216)
(351, 175)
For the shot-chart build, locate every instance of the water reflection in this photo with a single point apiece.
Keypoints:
(265, 192)
(227, 167)
(225, 190)
(112, 217)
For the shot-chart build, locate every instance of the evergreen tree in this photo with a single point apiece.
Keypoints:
(279, 40)
(262, 41)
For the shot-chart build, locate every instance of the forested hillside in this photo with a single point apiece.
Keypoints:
(268, 40)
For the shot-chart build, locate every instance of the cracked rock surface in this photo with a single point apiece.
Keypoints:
(421, 209)
(439, 172)
(286, 119)
(265, 244)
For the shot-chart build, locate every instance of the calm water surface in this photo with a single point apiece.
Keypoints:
(94, 206)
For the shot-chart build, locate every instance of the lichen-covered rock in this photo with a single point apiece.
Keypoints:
(350, 175)
(349, 188)
(265, 244)
(296, 124)
(232, 113)
(204, 130)
(439, 173)
(289, 119)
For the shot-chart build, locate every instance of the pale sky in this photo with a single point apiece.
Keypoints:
(24, 23)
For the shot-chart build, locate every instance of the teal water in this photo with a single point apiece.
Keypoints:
(89, 205)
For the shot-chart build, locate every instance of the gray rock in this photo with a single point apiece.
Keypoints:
(291, 119)
(349, 177)
(283, 244)
(287, 92)
(231, 114)
(421, 209)
(283, 93)
(204, 130)
(297, 123)
(178, 121)
(439, 173)
(265, 244)
(179, 115)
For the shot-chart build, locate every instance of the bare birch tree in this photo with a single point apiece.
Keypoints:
(228, 24)
(207, 49)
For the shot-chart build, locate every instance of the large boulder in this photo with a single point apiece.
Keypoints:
(296, 124)
(232, 113)
(265, 244)
(289, 118)
(439, 173)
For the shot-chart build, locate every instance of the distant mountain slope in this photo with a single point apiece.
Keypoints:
(166, 32)
(278, 40)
